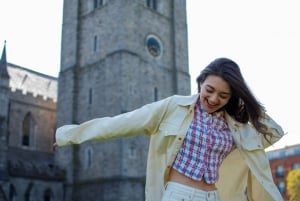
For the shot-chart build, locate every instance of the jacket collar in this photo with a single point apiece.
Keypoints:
(188, 100)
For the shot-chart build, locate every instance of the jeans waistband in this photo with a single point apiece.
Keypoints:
(193, 192)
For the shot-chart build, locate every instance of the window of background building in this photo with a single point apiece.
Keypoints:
(28, 129)
(48, 195)
(152, 4)
(12, 193)
(98, 3)
(155, 94)
(28, 192)
(95, 43)
(132, 151)
(88, 157)
(154, 45)
(296, 166)
(280, 171)
(281, 187)
(90, 96)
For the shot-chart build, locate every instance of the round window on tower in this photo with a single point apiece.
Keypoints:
(154, 45)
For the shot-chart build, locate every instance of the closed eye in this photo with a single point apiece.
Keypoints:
(223, 95)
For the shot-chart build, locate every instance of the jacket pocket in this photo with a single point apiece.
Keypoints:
(168, 129)
(251, 141)
(166, 137)
(248, 138)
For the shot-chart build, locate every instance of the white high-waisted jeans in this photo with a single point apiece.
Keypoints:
(179, 192)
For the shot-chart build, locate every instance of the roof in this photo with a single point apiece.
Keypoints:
(284, 152)
(31, 81)
(3, 63)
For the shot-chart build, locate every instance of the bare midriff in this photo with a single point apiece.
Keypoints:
(177, 177)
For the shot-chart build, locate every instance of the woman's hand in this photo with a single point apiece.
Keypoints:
(54, 145)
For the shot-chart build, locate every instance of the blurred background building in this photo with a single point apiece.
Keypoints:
(282, 161)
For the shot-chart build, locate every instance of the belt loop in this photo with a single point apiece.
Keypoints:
(166, 185)
(211, 195)
(208, 195)
(214, 194)
(192, 195)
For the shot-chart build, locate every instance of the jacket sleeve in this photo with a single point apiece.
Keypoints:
(274, 128)
(144, 120)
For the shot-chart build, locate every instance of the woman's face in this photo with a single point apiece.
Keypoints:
(215, 93)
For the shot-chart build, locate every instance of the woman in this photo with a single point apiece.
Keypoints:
(208, 146)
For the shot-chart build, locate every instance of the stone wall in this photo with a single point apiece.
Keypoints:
(43, 112)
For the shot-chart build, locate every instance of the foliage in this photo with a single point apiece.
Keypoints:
(293, 185)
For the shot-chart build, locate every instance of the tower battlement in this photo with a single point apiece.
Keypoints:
(32, 98)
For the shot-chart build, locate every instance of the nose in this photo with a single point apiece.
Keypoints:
(214, 99)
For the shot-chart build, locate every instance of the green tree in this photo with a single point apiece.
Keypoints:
(293, 185)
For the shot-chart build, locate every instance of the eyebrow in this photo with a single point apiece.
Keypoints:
(225, 93)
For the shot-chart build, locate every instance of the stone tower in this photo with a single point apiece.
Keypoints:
(116, 56)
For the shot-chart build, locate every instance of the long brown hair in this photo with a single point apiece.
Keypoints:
(242, 106)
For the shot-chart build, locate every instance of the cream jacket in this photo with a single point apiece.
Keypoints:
(244, 174)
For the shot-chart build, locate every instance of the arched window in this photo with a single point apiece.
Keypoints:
(2, 195)
(133, 150)
(88, 157)
(48, 195)
(28, 192)
(96, 49)
(152, 4)
(28, 129)
(155, 94)
(98, 3)
(90, 96)
(12, 193)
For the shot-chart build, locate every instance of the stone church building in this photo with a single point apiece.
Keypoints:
(27, 122)
(116, 55)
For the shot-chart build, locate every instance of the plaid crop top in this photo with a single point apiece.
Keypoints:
(207, 142)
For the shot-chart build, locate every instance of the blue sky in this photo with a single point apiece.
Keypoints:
(263, 37)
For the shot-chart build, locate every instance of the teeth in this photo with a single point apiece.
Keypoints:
(211, 104)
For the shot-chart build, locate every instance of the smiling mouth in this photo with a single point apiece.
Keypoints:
(211, 105)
